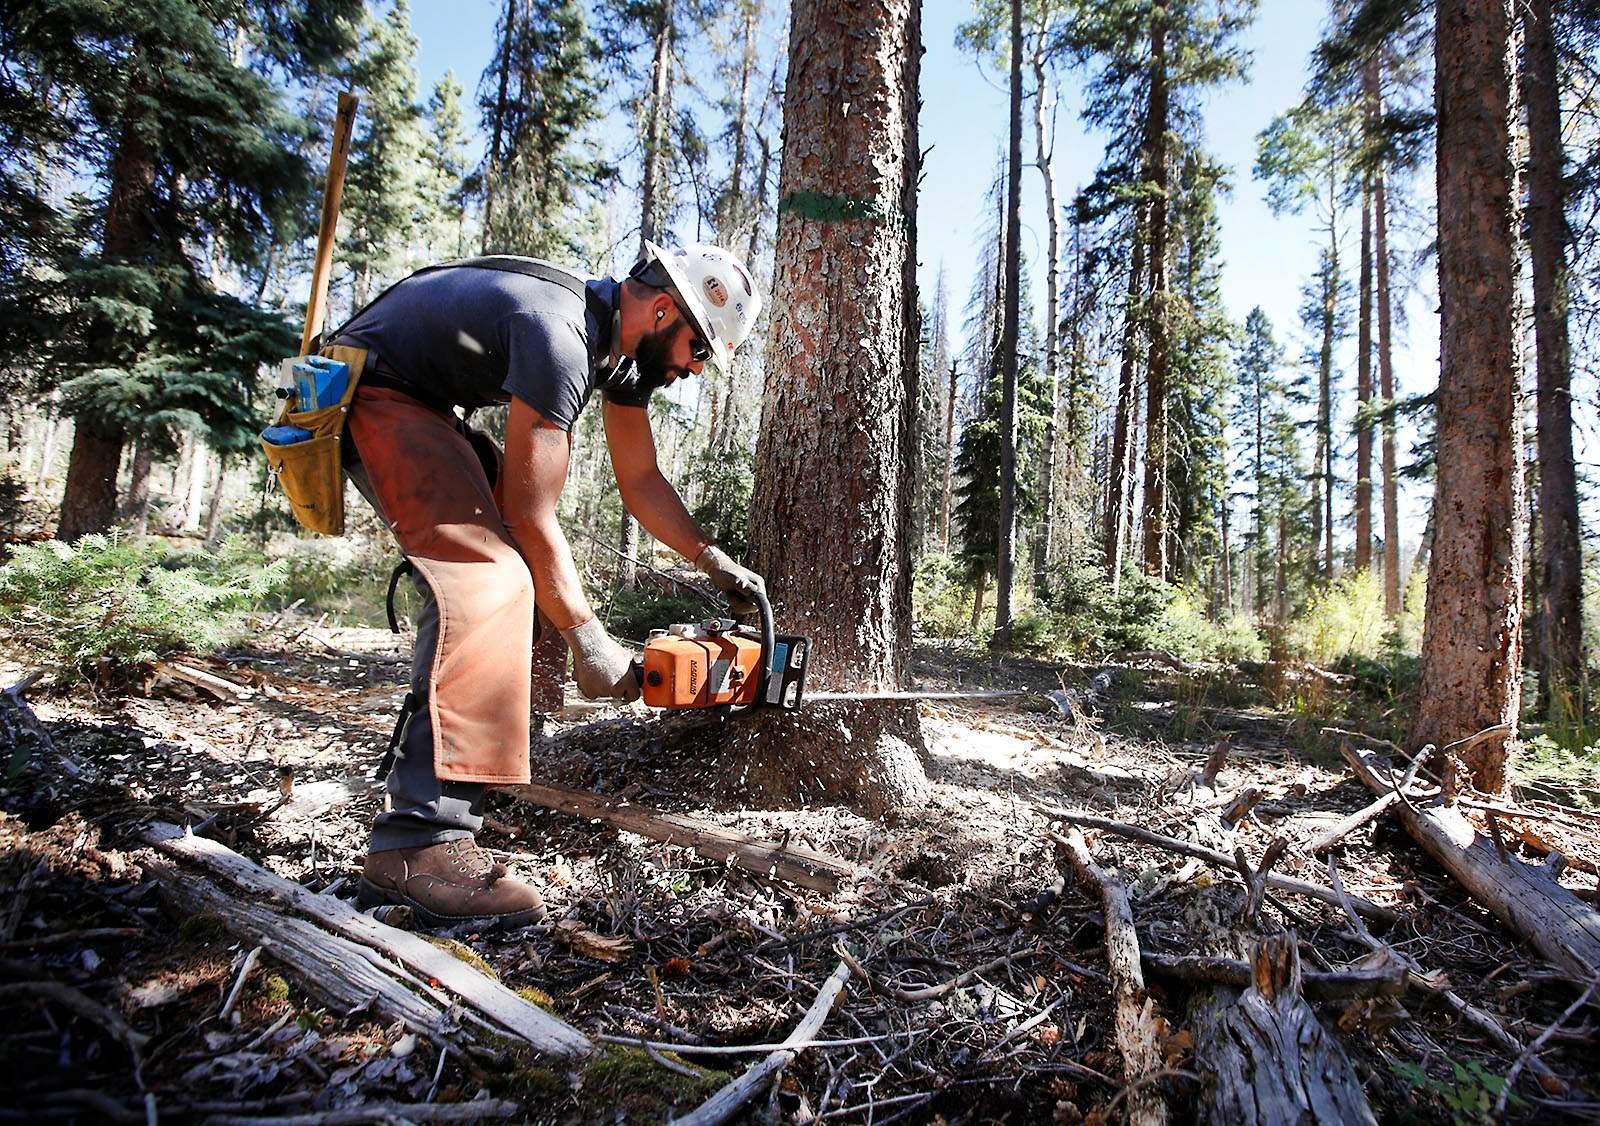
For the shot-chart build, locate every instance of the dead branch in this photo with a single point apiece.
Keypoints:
(1529, 1052)
(1241, 805)
(1523, 896)
(1215, 761)
(1256, 881)
(1371, 811)
(1338, 985)
(1214, 858)
(471, 1111)
(723, 1105)
(1421, 982)
(67, 997)
(930, 992)
(794, 864)
(485, 996)
(1138, 1029)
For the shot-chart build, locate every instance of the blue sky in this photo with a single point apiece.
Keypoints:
(1267, 258)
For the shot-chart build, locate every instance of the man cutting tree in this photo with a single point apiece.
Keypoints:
(479, 527)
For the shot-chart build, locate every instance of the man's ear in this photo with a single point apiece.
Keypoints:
(661, 305)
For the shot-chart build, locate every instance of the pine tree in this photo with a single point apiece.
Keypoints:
(538, 96)
(387, 208)
(188, 144)
(1258, 360)
(445, 170)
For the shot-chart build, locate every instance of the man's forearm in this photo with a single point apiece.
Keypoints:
(560, 594)
(661, 512)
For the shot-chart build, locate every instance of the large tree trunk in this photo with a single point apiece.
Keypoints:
(841, 384)
(90, 500)
(1391, 477)
(1121, 440)
(1560, 620)
(1472, 637)
(219, 484)
(1155, 174)
(1005, 565)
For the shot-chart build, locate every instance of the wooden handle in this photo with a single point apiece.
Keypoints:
(317, 307)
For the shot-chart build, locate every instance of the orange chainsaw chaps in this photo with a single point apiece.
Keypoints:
(702, 671)
(435, 496)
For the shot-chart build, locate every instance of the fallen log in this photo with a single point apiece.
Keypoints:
(1337, 985)
(475, 1110)
(1526, 897)
(727, 1102)
(803, 867)
(485, 996)
(1213, 857)
(1267, 1058)
(340, 973)
(1138, 1028)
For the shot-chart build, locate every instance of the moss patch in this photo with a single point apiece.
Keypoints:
(536, 996)
(275, 989)
(462, 952)
(627, 1078)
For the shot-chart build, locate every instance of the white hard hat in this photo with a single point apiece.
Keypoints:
(718, 291)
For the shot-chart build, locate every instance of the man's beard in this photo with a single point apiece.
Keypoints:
(652, 359)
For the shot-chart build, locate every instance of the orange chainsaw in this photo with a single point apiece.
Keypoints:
(720, 663)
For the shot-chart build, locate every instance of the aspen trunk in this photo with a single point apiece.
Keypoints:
(1472, 638)
(841, 386)
(1560, 616)
(1117, 481)
(136, 508)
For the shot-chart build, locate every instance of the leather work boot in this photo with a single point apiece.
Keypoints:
(447, 884)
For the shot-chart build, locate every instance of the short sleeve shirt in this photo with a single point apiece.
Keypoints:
(474, 336)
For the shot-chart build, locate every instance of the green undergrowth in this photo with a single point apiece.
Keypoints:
(620, 1081)
(107, 603)
(344, 577)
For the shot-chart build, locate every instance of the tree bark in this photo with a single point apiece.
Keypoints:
(1005, 564)
(1117, 484)
(219, 484)
(136, 506)
(1560, 620)
(1472, 637)
(841, 385)
(1392, 593)
(1155, 174)
(89, 503)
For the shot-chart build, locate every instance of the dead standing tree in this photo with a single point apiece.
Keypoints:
(833, 490)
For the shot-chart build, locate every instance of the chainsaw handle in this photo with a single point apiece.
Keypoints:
(769, 642)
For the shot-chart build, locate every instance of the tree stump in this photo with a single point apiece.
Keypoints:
(1266, 1058)
(865, 756)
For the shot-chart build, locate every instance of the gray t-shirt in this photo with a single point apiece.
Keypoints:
(474, 336)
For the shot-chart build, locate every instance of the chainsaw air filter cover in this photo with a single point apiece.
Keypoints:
(703, 666)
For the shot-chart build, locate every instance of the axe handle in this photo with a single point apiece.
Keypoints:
(317, 307)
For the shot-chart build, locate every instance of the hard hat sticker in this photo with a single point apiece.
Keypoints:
(716, 293)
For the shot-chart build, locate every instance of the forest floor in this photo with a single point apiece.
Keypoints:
(983, 991)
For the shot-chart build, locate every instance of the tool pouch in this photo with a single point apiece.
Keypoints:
(310, 471)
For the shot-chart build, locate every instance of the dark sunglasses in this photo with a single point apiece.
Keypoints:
(699, 350)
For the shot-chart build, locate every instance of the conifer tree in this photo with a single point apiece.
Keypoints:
(387, 208)
(538, 96)
(1259, 357)
(446, 170)
(187, 143)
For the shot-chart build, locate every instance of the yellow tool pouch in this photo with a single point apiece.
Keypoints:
(310, 471)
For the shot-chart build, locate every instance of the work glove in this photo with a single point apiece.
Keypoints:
(602, 668)
(739, 584)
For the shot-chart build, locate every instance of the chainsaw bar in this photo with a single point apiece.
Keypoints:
(853, 697)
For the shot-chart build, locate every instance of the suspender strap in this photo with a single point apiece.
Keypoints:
(507, 263)
(402, 724)
(401, 569)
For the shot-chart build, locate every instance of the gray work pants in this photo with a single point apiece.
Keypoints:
(422, 809)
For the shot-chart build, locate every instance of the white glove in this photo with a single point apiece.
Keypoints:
(602, 668)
